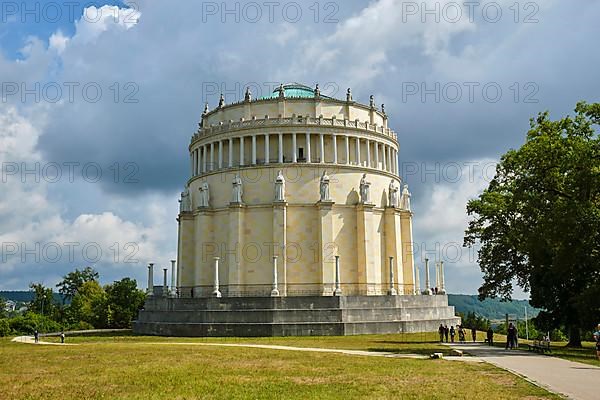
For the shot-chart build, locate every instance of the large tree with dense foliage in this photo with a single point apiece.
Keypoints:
(538, 222)
(71, 282)
(125, 300)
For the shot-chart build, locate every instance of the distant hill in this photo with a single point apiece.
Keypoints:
(491, 308)
(23, 296)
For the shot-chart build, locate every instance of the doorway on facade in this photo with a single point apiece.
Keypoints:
(301, 154)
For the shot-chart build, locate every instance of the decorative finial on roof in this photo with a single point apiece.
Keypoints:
(372, 101)
(248, 95)
(221, 101)
(348, 95)
(317, 91)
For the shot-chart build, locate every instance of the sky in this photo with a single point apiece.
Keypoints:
(98, 101)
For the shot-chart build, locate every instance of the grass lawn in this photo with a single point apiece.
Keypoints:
(130, 367)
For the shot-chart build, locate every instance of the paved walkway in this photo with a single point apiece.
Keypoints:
(571, 379)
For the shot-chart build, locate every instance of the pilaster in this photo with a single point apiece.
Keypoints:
(202, 242)
(235, 244)
(280, 240)
(408, 265)
(393, 244)
(369, 277)
(327, 247)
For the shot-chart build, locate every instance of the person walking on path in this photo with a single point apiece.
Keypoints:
(62, 337)
(597, 338)
(441, 331)
(474, 334)
(490, 336)
(446, 332)
(36, 336)
(510, 336)
(452, 333)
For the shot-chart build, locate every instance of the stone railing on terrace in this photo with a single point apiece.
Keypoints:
(290, 121)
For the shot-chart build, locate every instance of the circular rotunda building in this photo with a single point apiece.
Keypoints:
(294, 221)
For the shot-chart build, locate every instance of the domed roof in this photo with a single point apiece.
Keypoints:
(294, 90)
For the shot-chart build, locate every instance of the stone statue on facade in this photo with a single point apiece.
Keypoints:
(238, 190)
(185, 204)
(248, 95)
(405, 200)
(393, 194)
(206, 109)
(365, 190)
(281, 91)
(324, 187)
(371, 101)
(221, 101)
(204, 199)
(348, 95)
(279, 187)
(317, 91)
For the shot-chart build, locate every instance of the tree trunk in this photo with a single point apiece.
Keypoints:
(574, 337)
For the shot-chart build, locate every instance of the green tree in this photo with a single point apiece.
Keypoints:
(71, 282)
(89, 305)
(3, 312)
(538, 222)
(124, 300)
(43, 300)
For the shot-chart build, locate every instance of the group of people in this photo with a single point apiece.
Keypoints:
(36, 336)
(446, 332)
(512, 337)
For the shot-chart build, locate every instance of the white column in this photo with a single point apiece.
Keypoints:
(383, 146)
(334, 137)
(443, 288)
(204, 158)
(216, 292)
(392, 291)
(427, 283)
(308, 148)
(150, 290)
(376, 151)
(220, 154)
(280, 148)
(212, 157)
(266, 148)
(253, 149)
(197, 166)
(394, 160)
(173, 289)
(165, 291)
(294, 151)
(338, 288)
(230, 161)
(321, 148)
(357, 150)
(275, 291)
(389, 155)
(417, 280)
(192, 161)
(347, 150)
(368, 154)
(241, 150)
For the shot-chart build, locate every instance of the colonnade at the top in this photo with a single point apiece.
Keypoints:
(273, 148)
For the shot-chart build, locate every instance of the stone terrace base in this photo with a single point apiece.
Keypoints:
(293, 316)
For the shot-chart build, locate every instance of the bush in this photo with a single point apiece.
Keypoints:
(26, 324)
(4, 327)
(80, 326)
